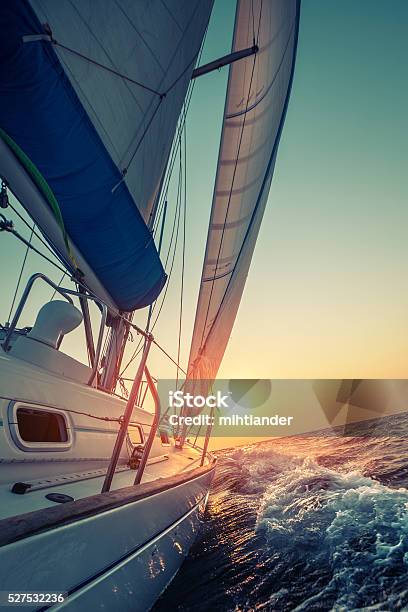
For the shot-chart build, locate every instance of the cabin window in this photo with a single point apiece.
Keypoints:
(35, 428)
(135, 434)
(41, 426)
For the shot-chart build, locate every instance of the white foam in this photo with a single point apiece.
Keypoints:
(350, 523)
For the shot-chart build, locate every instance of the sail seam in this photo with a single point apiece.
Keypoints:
(99, 65)
(268, 89)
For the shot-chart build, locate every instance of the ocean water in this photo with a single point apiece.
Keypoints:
(317, 522)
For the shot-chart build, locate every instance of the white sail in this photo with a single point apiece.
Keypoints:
(257, 97)
(90, 95)
(153, 43)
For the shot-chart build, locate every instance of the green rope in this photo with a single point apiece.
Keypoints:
(43, 186)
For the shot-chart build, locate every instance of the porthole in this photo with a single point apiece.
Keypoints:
(41, 425)
(38, 428)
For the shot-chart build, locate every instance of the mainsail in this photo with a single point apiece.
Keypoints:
(257, 98)
(90, 95)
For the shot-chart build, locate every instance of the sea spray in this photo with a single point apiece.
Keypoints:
(354, 527)
(302, 524)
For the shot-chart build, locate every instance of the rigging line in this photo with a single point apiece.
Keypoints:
(253, 21)
(52, 252)
(139, 348)
(133, 357)
(131, 379)
(173, 157)
(182, 121)
(229, 202)
(164, 94)
(105, 67)
(5, 227)
(158, 218)
(169, 356)
(176, 363)
(183, 257)
(175, 227)
(169, 171)
(170, 272)
(259, 23)
(180, 76)
(100, 418)
(180, 127)
(38, 236)
(126, 168)
(181, 288)
(21, 272)
(118, 346)
(59, 285)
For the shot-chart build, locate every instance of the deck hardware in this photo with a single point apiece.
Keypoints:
(126, 417)
(4, 201)
(59, 498)
(66, 293)
(136, 456)
(225, 61)
(20, 488)
(153, 428)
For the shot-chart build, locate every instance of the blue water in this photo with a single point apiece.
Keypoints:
(304, 523)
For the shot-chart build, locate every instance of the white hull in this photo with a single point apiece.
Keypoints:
(118, 559)
(109, 551)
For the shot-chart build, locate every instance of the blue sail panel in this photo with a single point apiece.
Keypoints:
(41, 112)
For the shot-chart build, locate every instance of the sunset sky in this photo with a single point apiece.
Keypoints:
(327, 293)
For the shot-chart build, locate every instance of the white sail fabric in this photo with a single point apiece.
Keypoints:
(153, 42)
(257, 97)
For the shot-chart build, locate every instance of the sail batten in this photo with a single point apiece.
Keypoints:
(257, 98)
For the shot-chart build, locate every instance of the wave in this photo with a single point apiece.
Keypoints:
(347, 527)
(303, 524)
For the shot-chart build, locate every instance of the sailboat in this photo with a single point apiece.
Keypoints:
(98, 507)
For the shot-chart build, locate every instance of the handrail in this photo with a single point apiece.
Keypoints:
(66, 293)
(207, 439)
(126, 418)
(153, 428)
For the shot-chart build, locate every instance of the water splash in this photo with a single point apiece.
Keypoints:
(303, 524)
(348, 527)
